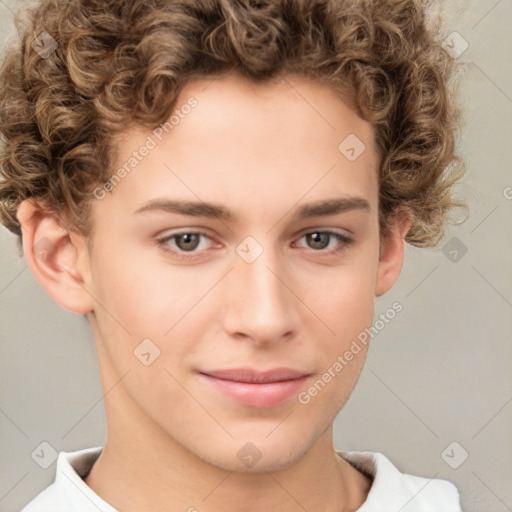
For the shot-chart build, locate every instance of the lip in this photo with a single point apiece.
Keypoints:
(256, 388)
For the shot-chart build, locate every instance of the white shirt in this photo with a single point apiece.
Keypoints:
(391, 490)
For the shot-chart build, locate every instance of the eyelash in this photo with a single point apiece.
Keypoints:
(162, 242)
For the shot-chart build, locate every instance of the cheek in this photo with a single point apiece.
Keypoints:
(143, 297)
(137, 300)
(138, 291)
(344, 298)
(346, 308)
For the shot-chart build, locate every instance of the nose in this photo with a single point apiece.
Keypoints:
(261, 305)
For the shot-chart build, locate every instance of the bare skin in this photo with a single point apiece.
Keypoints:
(174, 438)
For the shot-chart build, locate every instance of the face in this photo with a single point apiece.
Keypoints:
(243, 247)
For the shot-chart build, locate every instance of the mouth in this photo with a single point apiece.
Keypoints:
(262, 389)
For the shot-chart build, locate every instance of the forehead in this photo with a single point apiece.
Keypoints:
(252, 146)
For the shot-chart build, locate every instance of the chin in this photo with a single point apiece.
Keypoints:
(257, 454)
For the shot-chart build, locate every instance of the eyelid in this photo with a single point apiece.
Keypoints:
(321, 229)
(174, 234)
(343, 239)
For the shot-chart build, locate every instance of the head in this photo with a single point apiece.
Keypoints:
(220, 184)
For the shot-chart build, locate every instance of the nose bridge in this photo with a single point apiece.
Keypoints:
(260, 304)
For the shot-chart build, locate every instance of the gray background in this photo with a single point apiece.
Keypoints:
(440, 372)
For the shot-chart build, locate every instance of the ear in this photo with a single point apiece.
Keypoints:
(57, 257)
(392, 251)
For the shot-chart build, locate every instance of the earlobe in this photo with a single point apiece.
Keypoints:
(392, 253)
(53, 255)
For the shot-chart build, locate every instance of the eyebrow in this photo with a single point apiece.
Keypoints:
(216, 211)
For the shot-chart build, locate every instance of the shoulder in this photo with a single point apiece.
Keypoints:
(394, 490)
(50, 499)
(69, 492)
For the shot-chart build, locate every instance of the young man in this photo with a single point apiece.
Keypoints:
(223, 188)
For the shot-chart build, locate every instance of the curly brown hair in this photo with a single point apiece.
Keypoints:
(121, 63)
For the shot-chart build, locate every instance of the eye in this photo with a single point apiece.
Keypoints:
(182, 243)
(188, 244)
(321, 240)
